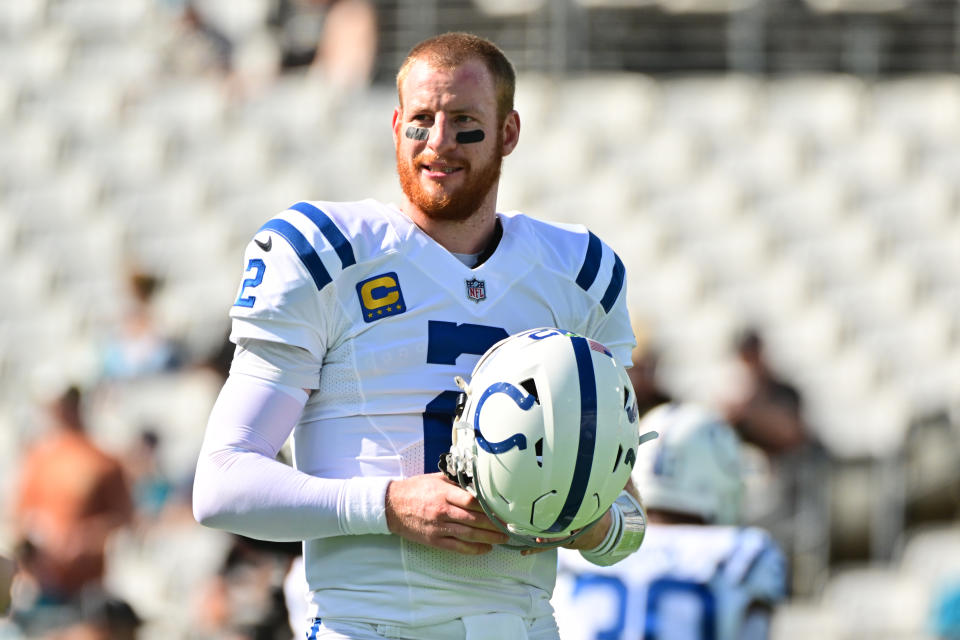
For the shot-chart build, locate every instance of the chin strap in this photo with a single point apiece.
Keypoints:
(625, 534)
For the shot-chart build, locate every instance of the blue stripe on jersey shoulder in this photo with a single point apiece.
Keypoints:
(616, 284)
(591, 264)
(591, 267)
(329, 230)
(305, 251)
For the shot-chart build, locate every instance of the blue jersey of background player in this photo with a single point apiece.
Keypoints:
(697, 576)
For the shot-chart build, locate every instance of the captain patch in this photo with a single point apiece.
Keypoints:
(380, 297)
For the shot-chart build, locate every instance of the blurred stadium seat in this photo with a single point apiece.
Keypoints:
(931, 554)
(827, 108)
(22, 18)
(801, 620)
(508, 8)
(877, 602)
(96, 19)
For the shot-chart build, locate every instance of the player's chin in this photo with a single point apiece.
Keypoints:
(443, 188)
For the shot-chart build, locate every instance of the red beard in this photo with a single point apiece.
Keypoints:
(462, 202)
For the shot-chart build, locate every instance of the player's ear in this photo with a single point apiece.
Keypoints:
(397, 119)
(511, 132)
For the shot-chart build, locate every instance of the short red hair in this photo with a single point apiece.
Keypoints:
(450, 50)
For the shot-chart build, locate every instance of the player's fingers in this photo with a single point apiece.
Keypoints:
(463, 499)
(473, 519)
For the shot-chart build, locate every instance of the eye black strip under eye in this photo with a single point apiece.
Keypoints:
(466, 137)
(417, 133)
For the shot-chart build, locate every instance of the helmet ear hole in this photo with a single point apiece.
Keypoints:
(530, 386)
(538, 450)
(616, 461)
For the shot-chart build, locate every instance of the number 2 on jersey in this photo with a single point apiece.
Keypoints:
(258, 267)
(447, 341)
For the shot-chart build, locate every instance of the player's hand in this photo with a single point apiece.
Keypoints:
(589, 540)
(431, 510)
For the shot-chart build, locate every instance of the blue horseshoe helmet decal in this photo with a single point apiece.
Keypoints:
(523, 400)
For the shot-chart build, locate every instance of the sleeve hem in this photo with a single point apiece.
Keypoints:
(363, 506)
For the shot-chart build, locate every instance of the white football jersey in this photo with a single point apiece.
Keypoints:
(685, 582)
(385, 318)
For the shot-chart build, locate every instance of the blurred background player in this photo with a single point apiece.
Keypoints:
(697, 575)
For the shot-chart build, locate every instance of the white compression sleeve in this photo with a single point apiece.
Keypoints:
(241, 487)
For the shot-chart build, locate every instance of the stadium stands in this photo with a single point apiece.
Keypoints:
(821, 206)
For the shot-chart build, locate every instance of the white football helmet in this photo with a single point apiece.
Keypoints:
(546, 436)
(694, 467)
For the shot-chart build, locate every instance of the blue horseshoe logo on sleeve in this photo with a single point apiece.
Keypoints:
(523, 400)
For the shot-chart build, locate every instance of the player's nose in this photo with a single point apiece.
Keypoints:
(442, 135)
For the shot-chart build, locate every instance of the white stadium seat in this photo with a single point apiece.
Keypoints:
(802, 620)
(828, 108)
(877, 602)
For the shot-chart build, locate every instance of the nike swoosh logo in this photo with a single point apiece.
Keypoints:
(266, 246)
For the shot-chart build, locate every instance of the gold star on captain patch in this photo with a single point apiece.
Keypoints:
(379, 312)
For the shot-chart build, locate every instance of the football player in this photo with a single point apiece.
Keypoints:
(352, 321)
(697, 576)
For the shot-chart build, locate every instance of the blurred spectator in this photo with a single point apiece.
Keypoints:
(196, 46)
(643, 374)
(218, 359)
(336, 39)
(765, 409)
(71, 497)
(698, 575)
(245, 600)
(7, 569)
(138, 347)
(151, 487)
(793, 491)
(101, 617)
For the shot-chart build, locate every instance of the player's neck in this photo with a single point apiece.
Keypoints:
(471, 235)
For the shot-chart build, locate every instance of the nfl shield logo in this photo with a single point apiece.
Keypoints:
(476, 290)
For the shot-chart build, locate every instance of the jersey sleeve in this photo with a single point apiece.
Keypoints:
(603, 277)
(759, 566)
(286, 293)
